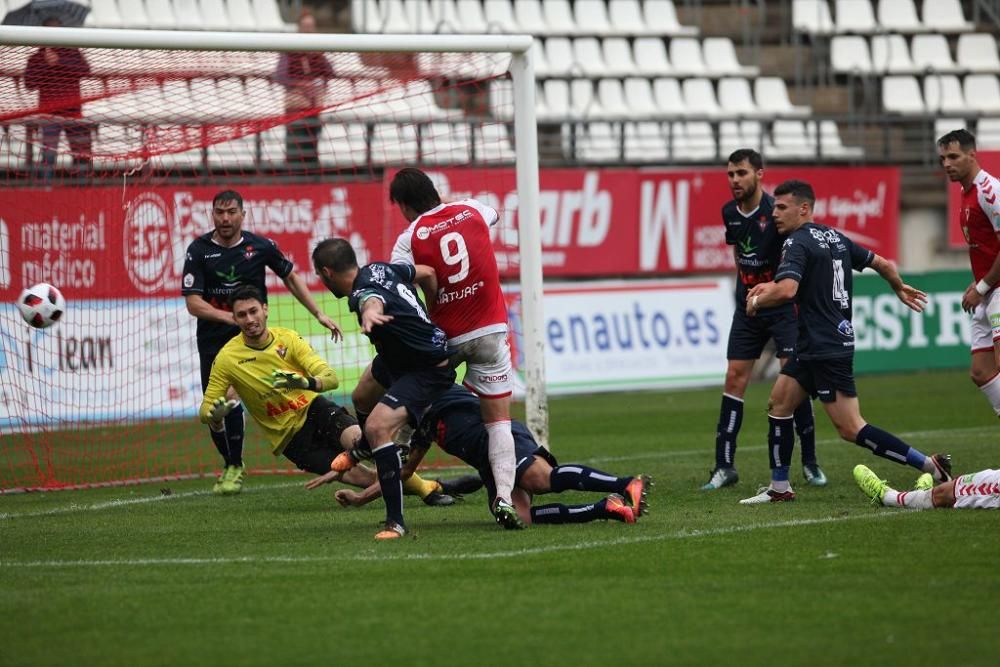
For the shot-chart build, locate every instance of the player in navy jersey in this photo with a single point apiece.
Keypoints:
(217, 263)
(412, 359)
(816, 272)
(757, 249)
(455, 422)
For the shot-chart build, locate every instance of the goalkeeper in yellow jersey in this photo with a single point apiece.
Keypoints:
(279, 378)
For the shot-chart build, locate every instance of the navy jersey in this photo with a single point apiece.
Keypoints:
(756, 246)
(822, 260)
(214, 272)
(410, 341)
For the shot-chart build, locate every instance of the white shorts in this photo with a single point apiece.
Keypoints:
(980, 490)
(489, 372)
(986, 322)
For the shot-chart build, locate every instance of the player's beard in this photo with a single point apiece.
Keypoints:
(748, 194)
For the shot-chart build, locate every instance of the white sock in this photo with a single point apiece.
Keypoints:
(503, 461)
(781, 486)
(992, 391)
(918, 500)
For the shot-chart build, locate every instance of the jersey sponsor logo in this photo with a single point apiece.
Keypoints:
(846, 328)
(378, 275)
(824, 236)
(493, 378)
(246, 361)
(445, 296)
(230, 279)
(188, 280)
(747, 248)
(212, 256)
(423, 233)
(287, 406)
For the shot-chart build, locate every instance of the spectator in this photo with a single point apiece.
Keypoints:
(304, 76)
(55, 72)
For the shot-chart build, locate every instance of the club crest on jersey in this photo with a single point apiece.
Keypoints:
(281, 350)
(249, 252)
(846, 328)
(423, 233)
(762, 221)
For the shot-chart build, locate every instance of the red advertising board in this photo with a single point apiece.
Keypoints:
(639, 222)
(988, 160)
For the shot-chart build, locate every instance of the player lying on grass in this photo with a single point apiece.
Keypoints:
(279, 378)
(455, 422)
(979, 490)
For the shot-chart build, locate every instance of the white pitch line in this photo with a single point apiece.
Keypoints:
(515, 553)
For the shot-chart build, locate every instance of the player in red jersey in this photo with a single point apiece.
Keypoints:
(466, 301)
(980, 220)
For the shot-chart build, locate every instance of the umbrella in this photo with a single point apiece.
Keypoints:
(70, 14)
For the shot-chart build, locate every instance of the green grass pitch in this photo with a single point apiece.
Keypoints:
(281, 576)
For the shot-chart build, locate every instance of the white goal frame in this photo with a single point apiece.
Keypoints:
(525, 134)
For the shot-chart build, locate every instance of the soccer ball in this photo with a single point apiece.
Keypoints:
(41, 305)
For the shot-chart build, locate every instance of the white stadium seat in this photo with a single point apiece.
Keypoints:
(500, 17)
(932, 54)
(446, 143)
(812, 17)
(241, 16)
(667, 93)
(588, 55)
(977, 52)
(538, 56)
(531, 18)
(239, 152)
(612, 99)
(559, 56)
(790, 139)
(943, 126)
(394, 144)
(13, 146)
(273, 146)
(618, 57)
(686, 57)
(651, 57)
(557, 103)
(395, 19)
(945, 16)
(365, 16)
(901, 94)
(598, 142)
(214, 15)
(626, 18)
(559, 17)
(943, 94)
(639, 96)
(187, 14)
(699, 98)
(161, 15)
(502, 99)
(645, 142)
(344, 145)
(592, 17)
(663, 15)
(890, 54)
(849, 55)
(266, 96)
(772, 97)
(899, 16)
(693, 141)
(583, 101)
(471, 19)
(721, 60)
(988, 133)
(103, 14)
(737, 99)
(982, 93)
(831, 145)
(493, 144)
(268, 17)
(855, 16)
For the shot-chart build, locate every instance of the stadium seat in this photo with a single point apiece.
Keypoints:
(626, 18)
(639, 97)
(541, 62)
(502, 99)
(557, 100)
(988, 133)
(191, 159)
(365, 16)
(667, 93)
(471, 19)
(618, 56)
(560, 59)
(583, 101)
(588, 56)
(268, 97)
(214, 15)
(901, 94)
(790, 139)
(812, 17)
(693, 141)
(831, 145)
(394, 18)
(663, 15)
(103, 14)
(394, 144)
(855, 16)
(686, 58)
(542, 112)
(531, 18)
(268, 17)
(982, 93)
(932, 54)
(445, 143)
(612, 99)
(344, 145)
(699, 98)
(241, 16)
(891, 55)
(598, 142)
(977, 52)
(651, 57)
(558, 17)
(721, 60)
(645, 142)
(239, 152)
(500, 17)
(15, 99)
(591, 17)
(187, 14)
(771, 95)
(13, 145)
(849, 55)
(943, 94)
(273, 146)
(730, 137)
(737, 99)
(899, 16)
(492, 143)
(753, 134)
(182, 107)
(161, 15)
(943, 126)
(945, 16)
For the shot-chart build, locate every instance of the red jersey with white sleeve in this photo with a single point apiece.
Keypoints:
(454, 239)
(980, 219)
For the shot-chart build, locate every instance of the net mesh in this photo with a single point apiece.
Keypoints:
(110, 160)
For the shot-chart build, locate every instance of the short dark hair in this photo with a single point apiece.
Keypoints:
(245, 293)
(415, 189)
(748, 154)
(334, 254)
(966, 140)
(228, 195)
(799, 190)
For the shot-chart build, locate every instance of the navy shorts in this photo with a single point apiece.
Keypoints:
(525, 451)
(823, 378)
(749, 335)
(413, 390)
(317, 443)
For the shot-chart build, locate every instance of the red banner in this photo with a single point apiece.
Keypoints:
(635, 222)
(988, 160)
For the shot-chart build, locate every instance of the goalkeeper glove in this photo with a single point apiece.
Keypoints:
(291, 380)
(220, 408)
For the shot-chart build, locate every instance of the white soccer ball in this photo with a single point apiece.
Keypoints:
(41, 305)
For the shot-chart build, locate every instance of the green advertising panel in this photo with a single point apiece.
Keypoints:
(891, 337)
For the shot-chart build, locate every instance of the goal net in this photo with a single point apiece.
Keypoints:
(112, 147)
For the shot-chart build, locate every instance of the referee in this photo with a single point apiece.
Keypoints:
(217, 264)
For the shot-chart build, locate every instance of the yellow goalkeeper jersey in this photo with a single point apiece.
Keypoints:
(280, 412)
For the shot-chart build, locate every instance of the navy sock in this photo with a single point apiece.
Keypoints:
(885, 444)
(362, 418)
(805, 426)
(388, 464)
(556, 513)
(221, 444)
(234, 435)
(730, 420)
(780, 444)
(581, 478)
